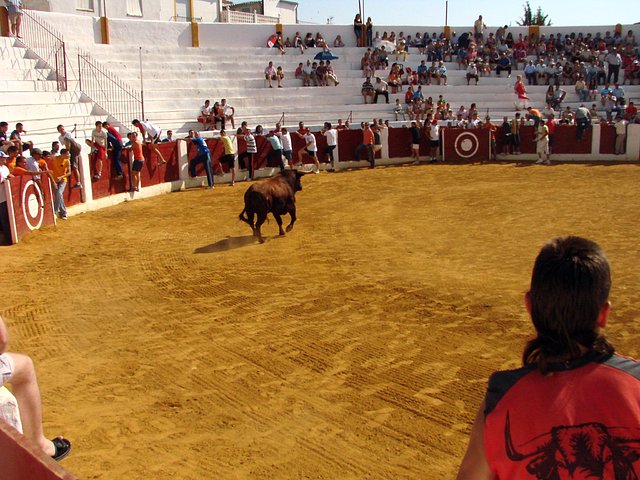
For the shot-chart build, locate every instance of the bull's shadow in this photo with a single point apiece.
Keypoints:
(226, 244)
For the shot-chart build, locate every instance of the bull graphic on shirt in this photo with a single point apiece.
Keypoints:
(587, 451)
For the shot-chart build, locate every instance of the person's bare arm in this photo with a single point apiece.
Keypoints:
(474, 465)
(4, 336)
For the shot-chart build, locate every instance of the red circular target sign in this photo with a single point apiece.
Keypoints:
(466, 145)
(32, 205)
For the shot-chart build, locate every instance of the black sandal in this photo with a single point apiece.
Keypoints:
(63, 448)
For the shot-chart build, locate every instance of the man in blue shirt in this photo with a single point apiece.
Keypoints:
(423, 72)
(531, 73)
(618, 92)
(504, 63)
(203, 156)
(276, 150)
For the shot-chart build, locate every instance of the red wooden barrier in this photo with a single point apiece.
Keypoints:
(348, 140)
(465, 144)
(30, 207)
(152, 172)
(607, 139)
(21, 461)
(564, 141)
(527, 139)
(399, 142)
(107, 184)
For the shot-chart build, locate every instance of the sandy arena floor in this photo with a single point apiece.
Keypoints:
(171, 345)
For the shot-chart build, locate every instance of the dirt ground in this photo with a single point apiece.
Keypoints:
(171, 345)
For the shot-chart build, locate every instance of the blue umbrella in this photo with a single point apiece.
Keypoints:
(325, 55)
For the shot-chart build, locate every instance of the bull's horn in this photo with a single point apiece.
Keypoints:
(512, 453)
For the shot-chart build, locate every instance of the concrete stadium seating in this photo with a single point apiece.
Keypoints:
(177, 80)
(30, 96)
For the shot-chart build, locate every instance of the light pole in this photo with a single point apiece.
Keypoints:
(447, 29)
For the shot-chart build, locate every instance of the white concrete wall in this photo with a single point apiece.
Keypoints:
(80, 30)
(151, 9)
(147, 33)
(288, 12)
(207, 10)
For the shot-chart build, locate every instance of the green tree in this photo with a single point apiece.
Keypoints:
(529, 18)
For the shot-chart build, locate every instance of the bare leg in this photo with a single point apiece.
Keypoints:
(300, 153)
(27, 393)
(155, 149)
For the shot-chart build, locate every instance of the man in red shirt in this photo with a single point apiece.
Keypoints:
(115, 140)
(631, 112)
(572, 410)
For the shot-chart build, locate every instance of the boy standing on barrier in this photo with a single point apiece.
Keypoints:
(98, 143)
(204, 157)
(574, 406)
(115, 140)
(18, 370)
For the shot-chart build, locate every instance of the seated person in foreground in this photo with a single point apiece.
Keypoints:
(574, 406)
(17, 370)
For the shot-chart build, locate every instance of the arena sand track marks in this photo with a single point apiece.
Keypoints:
(169, 345)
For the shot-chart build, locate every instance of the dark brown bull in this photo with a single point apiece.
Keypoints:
(276, 195)
(589, 450)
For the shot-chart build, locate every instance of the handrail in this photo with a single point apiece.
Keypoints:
(113, 95)
(104, 88)
(47, 44)
(234, 16)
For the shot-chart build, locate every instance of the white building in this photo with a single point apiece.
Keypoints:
(206, 11)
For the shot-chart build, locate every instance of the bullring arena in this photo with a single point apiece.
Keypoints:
(170, 344)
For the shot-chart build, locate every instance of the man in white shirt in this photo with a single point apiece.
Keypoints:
(207, 115)
(332, 141)
(4, 213)
(73, 146)
(287, 147)
(434, 136)
(270, 73)
(310, 148)
(478, 29)
(621, 134)
(151, 136)
(542, 143)
(613, 60)
(228, 111)
(382, 88)
(98, 142)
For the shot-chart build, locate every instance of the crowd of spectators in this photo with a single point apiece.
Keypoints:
(596, 67)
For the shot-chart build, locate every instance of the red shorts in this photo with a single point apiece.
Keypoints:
(101, 153)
